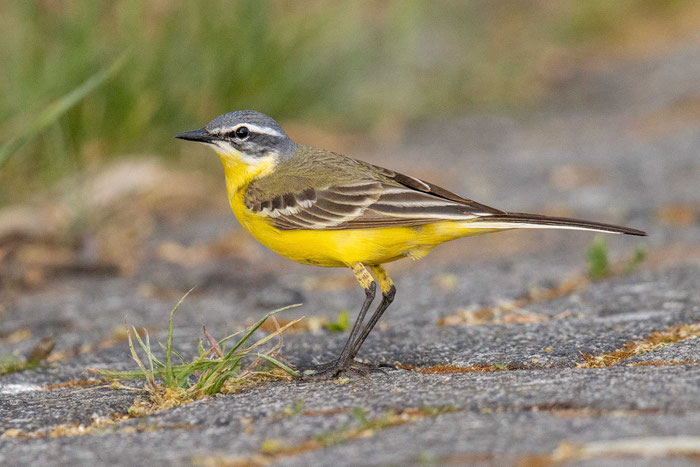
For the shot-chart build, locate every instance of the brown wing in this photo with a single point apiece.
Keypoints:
(434, 190)
(397, 200)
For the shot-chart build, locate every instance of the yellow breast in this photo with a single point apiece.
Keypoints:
(333, 248)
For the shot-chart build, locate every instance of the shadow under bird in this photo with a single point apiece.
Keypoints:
(320, 208)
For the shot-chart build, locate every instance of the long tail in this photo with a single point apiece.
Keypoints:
(520, 220)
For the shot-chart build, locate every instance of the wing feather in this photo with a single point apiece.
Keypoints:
(418, 185)
(371, 204)
(381, 198)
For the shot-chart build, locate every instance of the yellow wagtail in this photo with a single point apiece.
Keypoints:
(324, 209)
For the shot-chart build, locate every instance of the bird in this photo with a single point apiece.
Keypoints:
(320, 208)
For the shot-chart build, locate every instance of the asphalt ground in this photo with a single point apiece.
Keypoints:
(502, 351)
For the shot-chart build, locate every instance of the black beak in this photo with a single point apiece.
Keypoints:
(201, 136)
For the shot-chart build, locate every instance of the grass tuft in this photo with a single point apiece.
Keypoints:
(597, 256)
(216, 369)
(342, 324)
(599, 266)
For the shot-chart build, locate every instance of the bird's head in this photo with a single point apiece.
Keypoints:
(244, 137)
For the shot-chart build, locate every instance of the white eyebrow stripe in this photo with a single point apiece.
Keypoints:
(253, 128)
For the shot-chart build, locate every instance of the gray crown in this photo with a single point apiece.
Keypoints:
(244, 116)
(258, 143)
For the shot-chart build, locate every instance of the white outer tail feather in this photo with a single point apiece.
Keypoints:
(524, 225)
(534, 221)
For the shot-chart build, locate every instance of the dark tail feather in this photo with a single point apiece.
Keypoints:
(519, 220)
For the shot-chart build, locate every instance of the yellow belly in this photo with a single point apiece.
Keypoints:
(333, 248)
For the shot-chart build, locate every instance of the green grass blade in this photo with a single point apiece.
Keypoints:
(151, 357)
(149, 376)
(214, 386)
(278, 364)
(54, 111)
(229, 337)
(147, 348)
(179, 356)
(169, 376)
(255, 327)
(223, 369)
(273, 334)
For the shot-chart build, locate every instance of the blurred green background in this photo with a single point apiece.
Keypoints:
(361, 67)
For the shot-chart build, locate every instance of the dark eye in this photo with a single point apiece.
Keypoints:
(242, 132)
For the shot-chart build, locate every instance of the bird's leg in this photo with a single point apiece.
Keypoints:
(388, 293)
(345, 360)
(367, 282)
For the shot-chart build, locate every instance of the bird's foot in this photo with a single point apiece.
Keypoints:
(334, 369)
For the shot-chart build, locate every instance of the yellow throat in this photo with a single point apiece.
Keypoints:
(240, 170)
